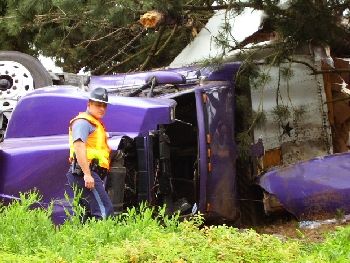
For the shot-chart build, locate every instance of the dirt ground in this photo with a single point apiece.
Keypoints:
(292, 229)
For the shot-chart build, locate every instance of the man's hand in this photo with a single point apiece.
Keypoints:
(89, 182)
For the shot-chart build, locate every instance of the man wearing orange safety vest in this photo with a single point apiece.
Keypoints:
(89, 156)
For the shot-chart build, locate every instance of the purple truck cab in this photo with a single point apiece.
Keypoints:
(174, 148)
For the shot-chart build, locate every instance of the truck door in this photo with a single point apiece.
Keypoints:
(217, 151)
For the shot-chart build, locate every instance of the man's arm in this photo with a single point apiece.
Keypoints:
(80, 152)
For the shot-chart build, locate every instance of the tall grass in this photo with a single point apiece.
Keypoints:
(336, 248)
(144, 235)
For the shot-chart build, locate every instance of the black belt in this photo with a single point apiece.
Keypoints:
(76, 169)
(102, 172)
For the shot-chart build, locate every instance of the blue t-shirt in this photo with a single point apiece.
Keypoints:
(81, 129)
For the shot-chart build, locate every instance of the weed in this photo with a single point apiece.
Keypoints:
(146, 234)
(340, 215)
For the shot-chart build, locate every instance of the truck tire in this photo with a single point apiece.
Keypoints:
(41, 77)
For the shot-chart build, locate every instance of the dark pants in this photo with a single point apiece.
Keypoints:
(96, 202)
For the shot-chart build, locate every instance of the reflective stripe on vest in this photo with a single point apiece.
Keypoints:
(96, 143)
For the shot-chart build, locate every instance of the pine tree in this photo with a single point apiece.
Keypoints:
(107, 36)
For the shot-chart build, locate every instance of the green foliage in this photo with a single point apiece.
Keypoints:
(336, 248)
(299, 112)
(3, 7)
(88, 33)
(243, 104)
(321, 23)
(244, 141)
(244, 115)
(259, 119)
(25, 230)
(147, 234)
(139, 235)
(260, 81)
(215, 62)
(286, 73)
(281, 113)
(340, 215)
(247, 73)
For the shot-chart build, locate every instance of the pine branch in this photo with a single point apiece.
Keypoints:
(57, 18)
(69, 32)
(138, 36)
(97, 55)
(336, 100)
(338, 70)
(165, 44)
(89, 41)
(189, 2)
(59, 8)
(219, 7)
(7, 17)
(153, 48)
(325, 71)
(126, 60)
(313, 69)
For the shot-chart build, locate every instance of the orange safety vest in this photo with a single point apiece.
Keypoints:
(96, 143)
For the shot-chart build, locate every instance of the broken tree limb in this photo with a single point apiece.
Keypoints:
(153, 48)
(165, 44)
(218, 7)
(126, 60)
(152, 19)
(338, 70)
(138, 36)
(313, 69)
(324, 71)
(335, 100)
(89, 41)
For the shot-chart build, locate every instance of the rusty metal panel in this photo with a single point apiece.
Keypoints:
(306, 122)
(272, 158)
(343, 63)
(337, 91)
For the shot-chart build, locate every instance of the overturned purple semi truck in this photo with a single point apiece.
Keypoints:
(172, 133)
(161, 144)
